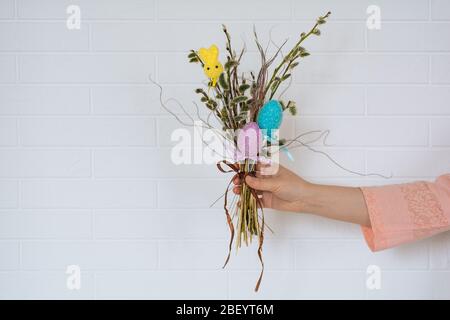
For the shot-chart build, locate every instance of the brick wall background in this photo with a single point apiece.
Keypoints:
(85, 173)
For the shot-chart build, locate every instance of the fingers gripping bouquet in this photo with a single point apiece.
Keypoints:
(245, 105)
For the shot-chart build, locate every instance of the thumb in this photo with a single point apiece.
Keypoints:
(262, 184)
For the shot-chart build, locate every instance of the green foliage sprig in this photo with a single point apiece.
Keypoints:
(283, 71)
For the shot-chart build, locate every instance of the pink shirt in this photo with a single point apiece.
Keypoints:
(406, 212)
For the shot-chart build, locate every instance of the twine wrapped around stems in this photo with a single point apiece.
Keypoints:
(248, 224)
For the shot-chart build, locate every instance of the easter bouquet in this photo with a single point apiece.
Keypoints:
(248, 111)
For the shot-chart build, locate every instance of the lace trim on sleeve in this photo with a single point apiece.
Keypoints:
(424, 208)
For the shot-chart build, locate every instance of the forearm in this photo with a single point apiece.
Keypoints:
(335, 202)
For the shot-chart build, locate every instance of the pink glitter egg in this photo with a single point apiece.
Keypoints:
(249, 141)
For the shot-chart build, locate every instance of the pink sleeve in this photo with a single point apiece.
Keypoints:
(406, 212)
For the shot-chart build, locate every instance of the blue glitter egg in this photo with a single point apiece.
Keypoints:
(270, 116)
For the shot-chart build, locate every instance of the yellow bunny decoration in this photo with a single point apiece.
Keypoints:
(211, 64)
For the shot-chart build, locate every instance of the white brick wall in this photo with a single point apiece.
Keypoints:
(85, 175)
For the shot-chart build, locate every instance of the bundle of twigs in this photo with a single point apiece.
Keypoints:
(235, 101)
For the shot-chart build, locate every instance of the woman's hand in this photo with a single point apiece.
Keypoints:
(283, 190)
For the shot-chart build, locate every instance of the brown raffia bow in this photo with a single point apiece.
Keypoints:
(235, 168)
